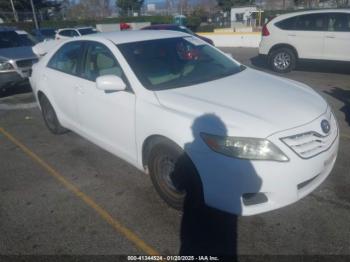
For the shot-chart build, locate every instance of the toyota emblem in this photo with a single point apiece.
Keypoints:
(325, 126)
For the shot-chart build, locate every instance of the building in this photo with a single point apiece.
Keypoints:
(242, 14)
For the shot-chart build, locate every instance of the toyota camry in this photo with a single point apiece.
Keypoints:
(194, 119)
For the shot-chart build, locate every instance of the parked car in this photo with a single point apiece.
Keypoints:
(66, 33)
(318, 34)
(197, 121)
(178, 28)
(44, 34)
(16, 56)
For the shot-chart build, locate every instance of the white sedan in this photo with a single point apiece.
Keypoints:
(206, 128)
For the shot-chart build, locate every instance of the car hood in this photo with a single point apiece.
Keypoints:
(15, 53)
(250, 103)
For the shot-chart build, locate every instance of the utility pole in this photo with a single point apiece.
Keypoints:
(14, 11)
(34, 15)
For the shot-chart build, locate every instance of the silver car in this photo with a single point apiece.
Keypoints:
(16, 57)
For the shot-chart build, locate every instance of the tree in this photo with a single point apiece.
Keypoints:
(125, 6)
(24, 9)
(226, 5)
(24, 5)
(89, 9)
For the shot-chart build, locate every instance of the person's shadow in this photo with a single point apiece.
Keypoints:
(206, 230)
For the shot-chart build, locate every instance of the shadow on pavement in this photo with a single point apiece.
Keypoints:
(343, 96)
(259, 62)
(205, 230)
(309, 66)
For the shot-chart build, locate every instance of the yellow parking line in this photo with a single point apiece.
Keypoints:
(138, 242)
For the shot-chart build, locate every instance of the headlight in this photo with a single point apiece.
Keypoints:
(5, 66)
(244, 147)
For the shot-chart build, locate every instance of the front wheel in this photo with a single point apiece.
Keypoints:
(174, 175)
(282, 60)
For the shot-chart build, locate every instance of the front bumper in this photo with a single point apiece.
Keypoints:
(227, 181)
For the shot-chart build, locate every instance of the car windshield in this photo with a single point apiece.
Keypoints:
(10, 39)
(86, 31)
(177, 62)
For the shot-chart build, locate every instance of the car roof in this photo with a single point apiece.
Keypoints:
(122, 37)
(318, 11)
(75, 28)
(163, 26)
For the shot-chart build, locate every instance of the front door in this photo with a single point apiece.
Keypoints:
(107, 118)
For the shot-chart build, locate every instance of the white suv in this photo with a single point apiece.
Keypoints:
(321, 34)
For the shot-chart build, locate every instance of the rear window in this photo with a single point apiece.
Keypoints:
(287, 24)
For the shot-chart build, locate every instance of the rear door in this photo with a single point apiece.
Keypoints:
(62, 78)
(337, 38)
(308, 35)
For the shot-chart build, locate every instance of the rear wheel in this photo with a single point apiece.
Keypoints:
(50, 117)
(172, 174)
(282, 60)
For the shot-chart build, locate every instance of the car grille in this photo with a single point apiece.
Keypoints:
(26, 62)
(310, 144)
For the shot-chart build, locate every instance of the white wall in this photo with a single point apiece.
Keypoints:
(234, 39)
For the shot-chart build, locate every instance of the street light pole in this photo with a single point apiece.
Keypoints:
(34, 15)
(14, 11)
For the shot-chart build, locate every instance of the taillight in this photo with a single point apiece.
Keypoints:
(265, 31)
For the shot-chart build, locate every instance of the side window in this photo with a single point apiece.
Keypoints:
(100, 61)
(312, 22)
(73, 33)
(287, 24)
(67, 58)
(65, 32)
(339, 22)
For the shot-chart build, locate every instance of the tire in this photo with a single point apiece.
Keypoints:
(50, 117)
(282, 60)
(174, 176)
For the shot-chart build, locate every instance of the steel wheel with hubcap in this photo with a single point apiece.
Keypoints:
(164, 160)
(50, 116)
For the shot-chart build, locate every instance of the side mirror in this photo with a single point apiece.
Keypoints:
(110, 83)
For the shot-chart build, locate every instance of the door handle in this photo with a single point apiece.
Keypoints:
(292, 35)
(330, 36)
